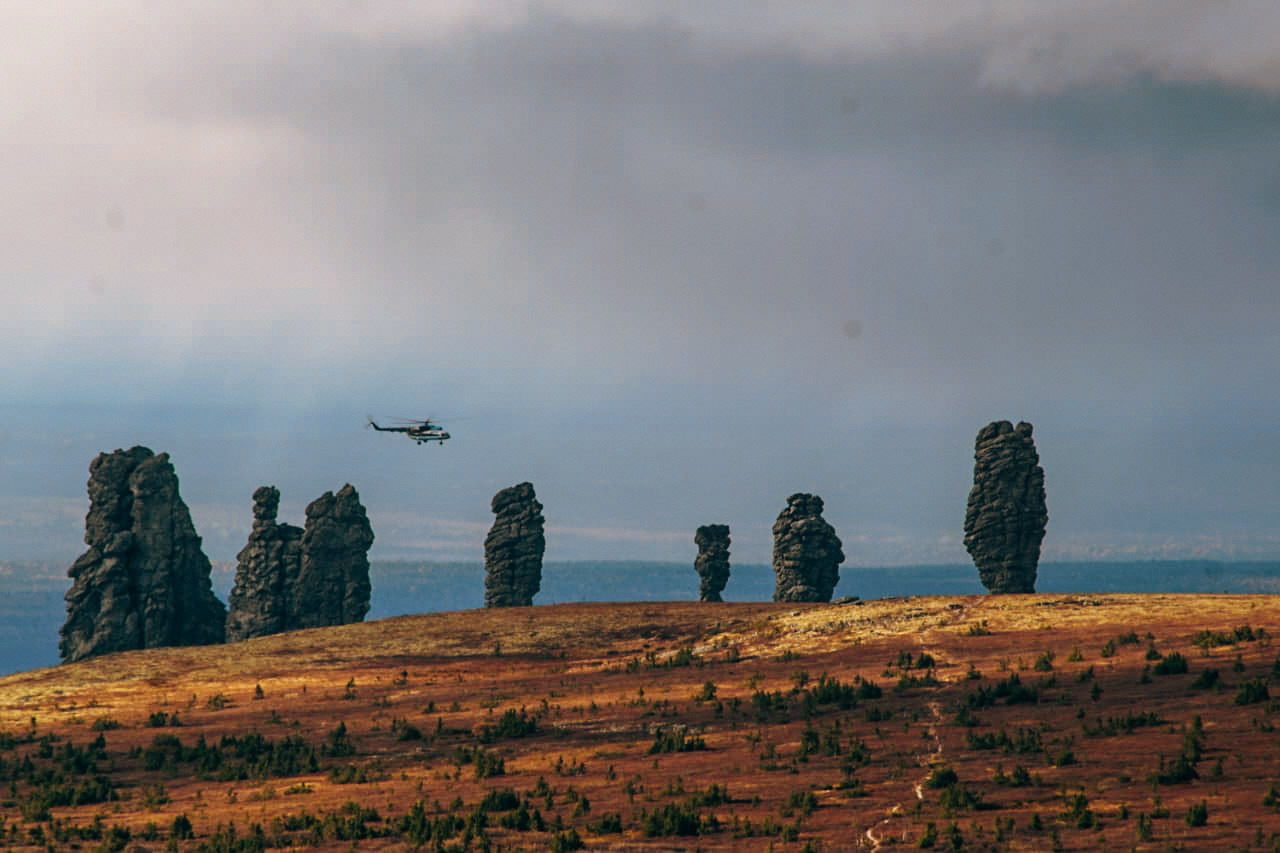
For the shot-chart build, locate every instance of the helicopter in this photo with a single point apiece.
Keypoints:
(421, 431)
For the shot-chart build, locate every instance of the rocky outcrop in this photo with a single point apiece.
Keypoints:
(267, 565)
(806, 552)
(1005, 520)
(290, 577)
(513, 549)
(712, 562)
(332, 585)
(144, 581)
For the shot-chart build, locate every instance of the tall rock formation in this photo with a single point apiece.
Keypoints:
(290, 577)
(332, 586)
(144, 581)
(513, 549)
(1006, 517)
(712, 562)
(267, 565)
(806, 552)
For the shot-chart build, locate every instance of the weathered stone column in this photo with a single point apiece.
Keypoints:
(270, 560)
(144, 582)
(1006, 517)
(806, 552)
(712, 562)
(332, 585)
(513, 549)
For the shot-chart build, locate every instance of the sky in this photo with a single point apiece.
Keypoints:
(669, 262)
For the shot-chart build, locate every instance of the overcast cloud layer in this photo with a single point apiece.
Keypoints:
(671, 261)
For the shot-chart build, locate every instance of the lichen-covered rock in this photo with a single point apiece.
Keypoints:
(332, 584)
(1006, 517)
(806, 552)
(144, 581)
(269, 562)
(513, 549)
(712, 562)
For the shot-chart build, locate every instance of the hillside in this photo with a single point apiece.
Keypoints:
(1019, 722)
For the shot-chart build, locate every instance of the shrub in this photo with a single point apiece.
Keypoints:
(566, 840)
(154, 796)
(1179, 772)
(681, 819)
(676, 740)
(512, 724)
(941, 777)
(1252, 692)
(908, 682)
(488, 764)
(1122, 725)
(1206, 679)
(1198, 814)
(1063, 757)
(1011, 690)
(339, 744)
(802, 801)
(1078, 811)
(956, 797)
(1272, 798)
(609, 823)
(499, 800)
(682, 657)
(404, 730)
(1172, 664)
(520, 820)
(357, 774)
(182, 827)
(1021, 777)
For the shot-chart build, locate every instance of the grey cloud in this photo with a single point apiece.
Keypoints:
(533, 182)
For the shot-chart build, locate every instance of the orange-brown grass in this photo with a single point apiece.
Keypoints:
(1028, 724)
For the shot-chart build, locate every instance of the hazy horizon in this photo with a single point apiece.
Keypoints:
(668, 263)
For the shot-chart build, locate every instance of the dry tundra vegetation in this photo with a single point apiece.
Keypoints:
(1030, 722)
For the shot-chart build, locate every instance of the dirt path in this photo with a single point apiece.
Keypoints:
(926, 760)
